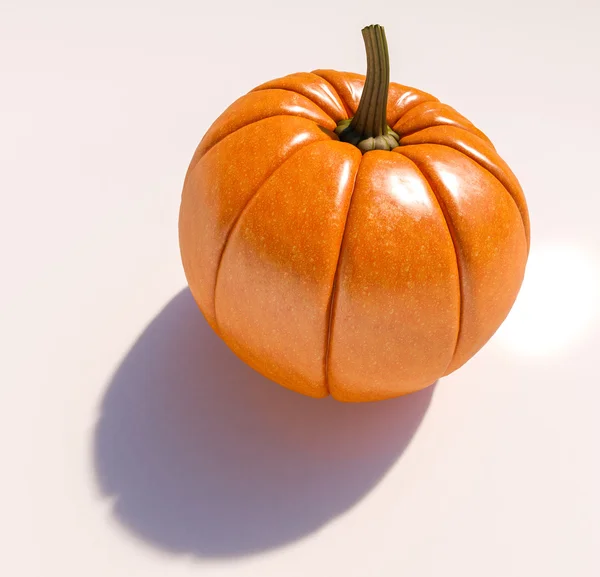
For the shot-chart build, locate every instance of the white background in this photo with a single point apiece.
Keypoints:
(166, 455)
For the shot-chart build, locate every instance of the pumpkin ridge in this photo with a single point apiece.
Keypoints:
(297, 93)
(195, 165)
(399, 118)
(454, 238)
(329, 86)
(237, 218)
(524, 219)
(508, 191)
(191, 167)
(469, 126)
(332, 299)
(348, 110)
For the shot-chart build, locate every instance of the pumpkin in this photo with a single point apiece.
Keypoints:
(349, 236)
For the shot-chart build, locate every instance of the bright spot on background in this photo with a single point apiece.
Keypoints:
(557, 304)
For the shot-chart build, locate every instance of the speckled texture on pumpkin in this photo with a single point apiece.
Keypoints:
(364, 277)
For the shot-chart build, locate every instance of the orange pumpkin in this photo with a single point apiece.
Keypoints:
(360, 258)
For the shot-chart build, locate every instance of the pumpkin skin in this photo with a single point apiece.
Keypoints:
(364, 276)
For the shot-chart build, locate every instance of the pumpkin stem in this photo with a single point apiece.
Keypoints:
(368, 130)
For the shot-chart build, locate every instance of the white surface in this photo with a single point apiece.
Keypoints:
(153, 459)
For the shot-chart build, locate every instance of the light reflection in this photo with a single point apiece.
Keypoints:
(300, 138)
(451, 182)
(344, 180)
(408, 190)
(558, 302)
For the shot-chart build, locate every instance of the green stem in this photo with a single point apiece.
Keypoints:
(368, 129)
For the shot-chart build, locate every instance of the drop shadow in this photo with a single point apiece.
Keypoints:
(203, 455)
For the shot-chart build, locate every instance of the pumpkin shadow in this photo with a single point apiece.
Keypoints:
(204, 456)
